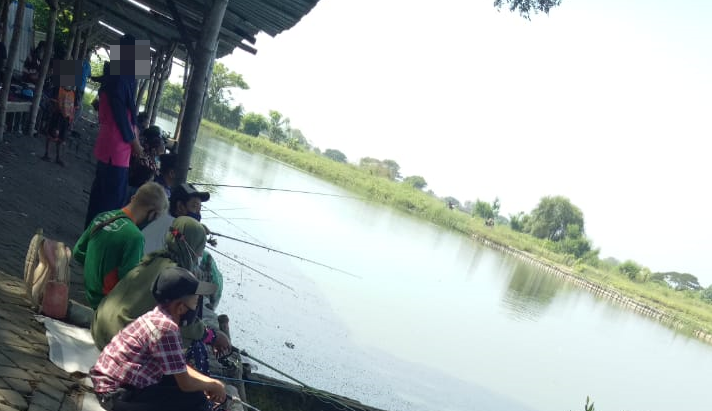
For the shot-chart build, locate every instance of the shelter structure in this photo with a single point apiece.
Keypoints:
(194, 31)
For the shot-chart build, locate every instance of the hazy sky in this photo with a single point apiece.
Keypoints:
(606, 102)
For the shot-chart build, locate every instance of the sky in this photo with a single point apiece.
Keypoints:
(605, 102)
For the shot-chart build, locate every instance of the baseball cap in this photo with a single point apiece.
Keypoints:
(173, 283)
(183, 192)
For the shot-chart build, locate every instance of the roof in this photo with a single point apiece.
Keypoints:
(154, 20)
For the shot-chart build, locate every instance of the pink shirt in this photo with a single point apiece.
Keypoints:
(110, 147)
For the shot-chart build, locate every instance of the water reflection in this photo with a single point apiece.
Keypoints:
(530, 291)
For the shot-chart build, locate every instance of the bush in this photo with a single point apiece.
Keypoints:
(630, 268)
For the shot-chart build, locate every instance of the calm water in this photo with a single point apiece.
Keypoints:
(434, 322)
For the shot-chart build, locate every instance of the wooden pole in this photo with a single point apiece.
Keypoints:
(164, 78)
(3, 17)
(10, 63)
(44, 69)
(204, 55)
(76, 15)
(146, 82)
(187, 73)
(155, 80)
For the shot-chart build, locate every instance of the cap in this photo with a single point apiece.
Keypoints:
(183, 192)
(173, 283)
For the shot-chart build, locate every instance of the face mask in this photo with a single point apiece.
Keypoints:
(188, 317)
(149, 219)
(193, 215)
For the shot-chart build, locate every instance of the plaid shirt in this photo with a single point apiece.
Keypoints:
(140, 354)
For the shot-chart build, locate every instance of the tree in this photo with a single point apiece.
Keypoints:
(275, 127)
(552, 216)
(630, 268)
(678, 281)
(518, 222)
(707, 294)
(525, 7)
(253, 124)
(452, 202)
(393, 168)
(483, 210)
(416, 182)
(335, 155)
(495, 207)
(172, 98)
(222, 84)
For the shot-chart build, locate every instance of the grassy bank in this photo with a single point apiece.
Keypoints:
(686, 307)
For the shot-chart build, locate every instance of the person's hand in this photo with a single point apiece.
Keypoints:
(221, 344)
(136, 148)
(216, 392)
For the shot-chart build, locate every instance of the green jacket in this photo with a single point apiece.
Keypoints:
(132, 298)
(109, 254)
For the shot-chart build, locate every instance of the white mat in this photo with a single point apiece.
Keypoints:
(71, 348)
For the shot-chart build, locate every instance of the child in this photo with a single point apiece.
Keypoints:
(143, 169)
(60, 122)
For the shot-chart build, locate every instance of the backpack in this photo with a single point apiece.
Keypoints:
(47, 275)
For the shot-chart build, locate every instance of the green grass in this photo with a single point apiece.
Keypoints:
(690, 311)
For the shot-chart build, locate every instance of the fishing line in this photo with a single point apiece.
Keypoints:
(287, 254)
(234, 225)
(250, 268)
(281, 189)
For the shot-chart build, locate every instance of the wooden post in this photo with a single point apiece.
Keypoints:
(146, 82)
(76, 15)
(188, 72)
(44, 69)
(3, 17)
(164, 78)
(204, 55)
(155, 80)
(10, 63)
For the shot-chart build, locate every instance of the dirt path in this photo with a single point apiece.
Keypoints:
(37, 194)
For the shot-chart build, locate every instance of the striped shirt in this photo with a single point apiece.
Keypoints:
(140, 354)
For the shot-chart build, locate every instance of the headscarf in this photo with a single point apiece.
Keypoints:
(184, 243)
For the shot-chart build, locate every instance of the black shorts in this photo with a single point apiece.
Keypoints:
(58, 127)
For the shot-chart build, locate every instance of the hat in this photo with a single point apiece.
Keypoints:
(175, 282)
(183, 192)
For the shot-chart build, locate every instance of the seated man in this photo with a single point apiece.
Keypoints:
(143, 367)
(113, 243)
(185, 200)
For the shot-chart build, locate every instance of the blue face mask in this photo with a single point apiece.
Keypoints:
(194, 215)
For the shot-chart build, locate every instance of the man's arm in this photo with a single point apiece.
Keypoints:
(120, 110)
(80, 248)
(192, 380)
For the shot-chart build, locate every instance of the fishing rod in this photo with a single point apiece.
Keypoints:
(250, 268)
(287, 254)
(233, 224)
(280, 189)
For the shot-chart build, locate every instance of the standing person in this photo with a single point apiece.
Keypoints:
(116, 141)
(61, 114)
(113, 243)
(143, 368)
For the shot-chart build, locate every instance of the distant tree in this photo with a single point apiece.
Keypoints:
(525, 7)
(253, 124)
(222, 83)
(393, 168)
(551, 217)
(416, 181)
(678, 281)
(574, 243)
(707, 294)
(335, 155)
(275, 127)
(630, 268)
(495, 207)
(452, 202)
(483, 210)
(317, 150)
(171, 98)
(518, 221)
(297, 135)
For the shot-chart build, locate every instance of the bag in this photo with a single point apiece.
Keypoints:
(47, 275)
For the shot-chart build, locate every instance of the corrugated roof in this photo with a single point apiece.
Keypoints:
(243, 20)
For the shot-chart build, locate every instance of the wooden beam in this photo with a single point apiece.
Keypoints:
(44, 69)
(182, 29)
(11, 57)
(204, 56)
(3, 18)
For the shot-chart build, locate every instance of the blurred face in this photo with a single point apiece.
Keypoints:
(191, 206)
